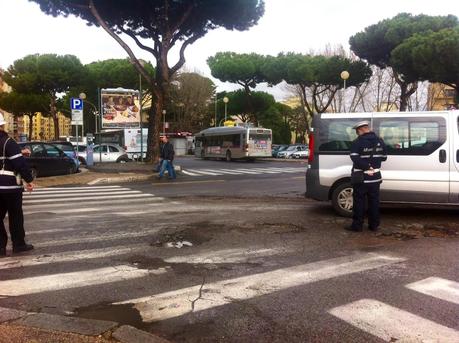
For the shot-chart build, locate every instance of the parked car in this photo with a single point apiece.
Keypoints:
(109, 152)
(302, 154)
(287, 153)
(46, 159)
(69, 150)
(276, 148)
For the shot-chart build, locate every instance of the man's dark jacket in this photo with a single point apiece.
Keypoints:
(167, 151)
(12, 162)
(368, 151)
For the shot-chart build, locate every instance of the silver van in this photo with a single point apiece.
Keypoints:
(422, 164)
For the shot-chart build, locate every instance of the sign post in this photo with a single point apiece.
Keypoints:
(76, 105)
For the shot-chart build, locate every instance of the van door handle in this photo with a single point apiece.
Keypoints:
(442, 156)
(457, 156)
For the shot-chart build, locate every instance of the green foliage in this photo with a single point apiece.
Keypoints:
(243, 69)
(23, 103)
(272, 119)
(376, 42)
(433, 56)
(48, 73)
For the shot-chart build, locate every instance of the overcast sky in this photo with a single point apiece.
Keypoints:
(288, 25)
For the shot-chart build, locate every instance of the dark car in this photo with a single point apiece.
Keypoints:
(46, 159)
(69, 150)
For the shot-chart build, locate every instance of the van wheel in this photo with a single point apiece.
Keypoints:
(342, 199)
(228, 156)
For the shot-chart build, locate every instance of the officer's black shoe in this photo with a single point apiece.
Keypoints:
(22, 248)
(351, 228)
(2, 252)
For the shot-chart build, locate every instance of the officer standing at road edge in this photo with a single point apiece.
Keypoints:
(367, 153)
(13, 168)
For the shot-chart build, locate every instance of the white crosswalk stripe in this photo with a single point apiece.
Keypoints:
(437, 287)
(392, 324)
(242, 171)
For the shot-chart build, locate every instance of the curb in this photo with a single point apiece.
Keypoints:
(80, 326)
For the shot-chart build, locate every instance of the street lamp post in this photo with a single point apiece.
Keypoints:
(226, 100)
(142, 63)
(344, 75)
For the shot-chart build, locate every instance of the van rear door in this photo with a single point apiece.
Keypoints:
(417, 166)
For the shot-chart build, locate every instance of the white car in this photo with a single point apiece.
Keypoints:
(303, 154)
(107, 152)
(287, 153)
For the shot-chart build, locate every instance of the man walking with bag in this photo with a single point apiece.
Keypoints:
(367, 153)
(13, 169)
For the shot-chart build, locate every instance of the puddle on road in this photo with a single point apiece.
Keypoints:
(125, 314)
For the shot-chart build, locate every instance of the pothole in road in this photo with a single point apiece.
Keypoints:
(196, 234)
(125, 314)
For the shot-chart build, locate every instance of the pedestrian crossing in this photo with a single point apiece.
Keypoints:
(377, 318)
(98, 259)
(88, 199)
(241, 171)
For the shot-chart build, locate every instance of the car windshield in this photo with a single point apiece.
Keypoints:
(292, 148)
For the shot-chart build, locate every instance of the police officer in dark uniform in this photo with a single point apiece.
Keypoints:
(13, 169)
(367, 153)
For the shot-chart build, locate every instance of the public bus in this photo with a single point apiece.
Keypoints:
(233, 142)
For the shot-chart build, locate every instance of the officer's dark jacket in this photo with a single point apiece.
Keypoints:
(364, 157)
(167, 151)
(12, 162)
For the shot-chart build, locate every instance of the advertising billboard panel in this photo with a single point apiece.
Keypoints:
(120, 108)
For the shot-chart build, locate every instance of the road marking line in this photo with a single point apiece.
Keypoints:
(393, 324)
(69, 256)
(87, 195)
(204, 172)
(88, 191)
(437, 287)
(186, 172)
(109, 201)
(54, 282)
(185, 182)
(39, 189)
(220, 171)
(124, 196)
(178, 302)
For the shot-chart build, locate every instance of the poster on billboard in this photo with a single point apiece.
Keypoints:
(120, 108)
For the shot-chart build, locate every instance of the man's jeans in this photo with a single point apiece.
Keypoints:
(166, 164)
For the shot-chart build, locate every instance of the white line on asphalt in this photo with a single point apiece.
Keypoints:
(102, 204)
(437, 287)
(220, 171)
(178, 302)
(110, 236)
(69, 256)
(87, 194)
(124, 196)
(46, 283)
(392, 324)
(186, 172)
(204, 172)
(38, 189)
(80, 190)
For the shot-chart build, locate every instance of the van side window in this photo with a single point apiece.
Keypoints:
(336, 135)
(412, 136)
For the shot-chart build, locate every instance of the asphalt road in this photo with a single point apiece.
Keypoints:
(236, 257)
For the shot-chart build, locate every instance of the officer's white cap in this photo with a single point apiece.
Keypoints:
(2, 119)
(360, 124)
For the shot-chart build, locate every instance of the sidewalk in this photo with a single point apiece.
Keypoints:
(22, 327)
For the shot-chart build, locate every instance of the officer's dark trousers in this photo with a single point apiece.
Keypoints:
(11, 203)
(363, 192)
